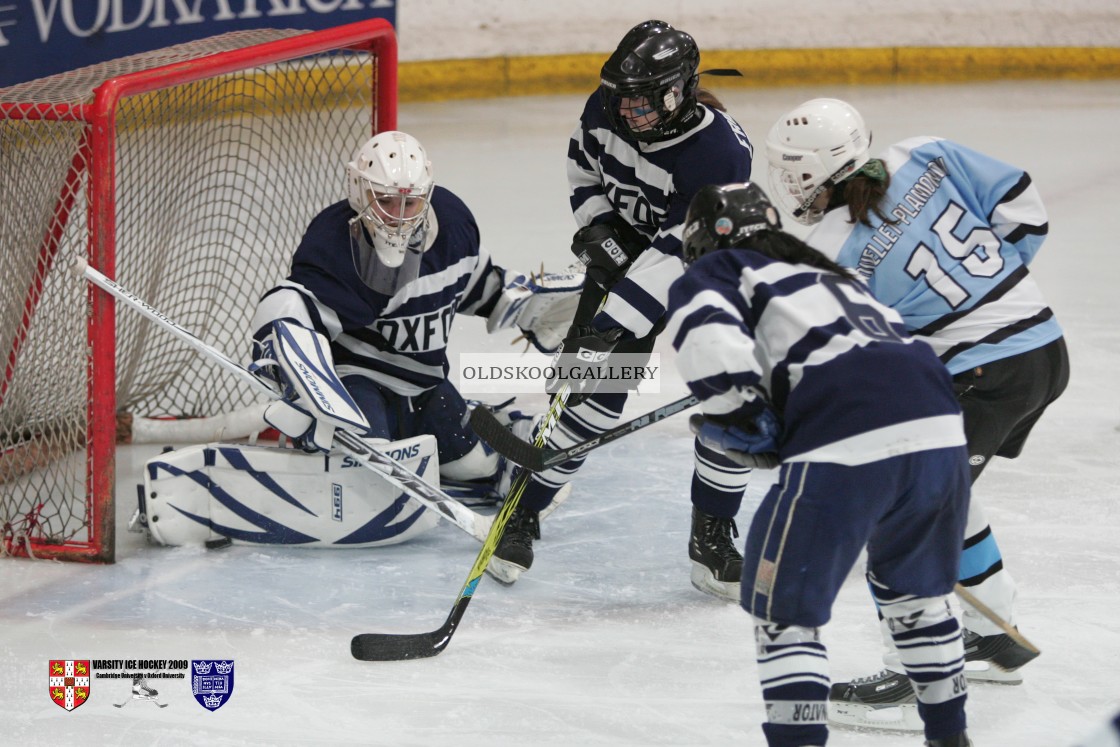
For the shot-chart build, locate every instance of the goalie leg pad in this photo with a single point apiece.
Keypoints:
(272, 496)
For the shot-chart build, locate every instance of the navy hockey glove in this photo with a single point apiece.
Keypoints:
(584, 352)
(607, 249)
(751, 443)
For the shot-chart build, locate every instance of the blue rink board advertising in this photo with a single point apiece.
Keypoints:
(44, 37)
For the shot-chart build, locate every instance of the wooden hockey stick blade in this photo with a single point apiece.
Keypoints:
(538, 458)
(989, 613)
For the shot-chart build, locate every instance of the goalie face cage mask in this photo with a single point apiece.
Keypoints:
(371, 268)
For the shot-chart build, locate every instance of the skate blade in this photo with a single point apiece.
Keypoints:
(986, 671)
(504, 571)
(703, 580)
(902, 717)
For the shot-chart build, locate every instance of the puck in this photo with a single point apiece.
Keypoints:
(218, 544)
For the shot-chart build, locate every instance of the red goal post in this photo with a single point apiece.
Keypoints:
(188, 173)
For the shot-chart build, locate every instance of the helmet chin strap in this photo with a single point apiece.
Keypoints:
(683, 124)
(806, 205)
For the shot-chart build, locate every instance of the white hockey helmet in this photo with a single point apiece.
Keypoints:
(815, 146)
(390, 189)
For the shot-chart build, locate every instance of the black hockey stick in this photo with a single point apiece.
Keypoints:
(400, 646)
(537, 458)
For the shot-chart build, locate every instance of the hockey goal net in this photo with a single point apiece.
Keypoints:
(189, 175)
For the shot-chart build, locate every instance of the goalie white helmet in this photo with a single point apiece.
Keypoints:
(390, 182)
(812, 148)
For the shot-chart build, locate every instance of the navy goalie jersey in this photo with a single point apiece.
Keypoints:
(954, 262)
(398, 341)
(849, 384)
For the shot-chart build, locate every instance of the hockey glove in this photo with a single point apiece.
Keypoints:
(607, 249)
(578, 361)
(314, 401)
(541, 306)
(751, 443)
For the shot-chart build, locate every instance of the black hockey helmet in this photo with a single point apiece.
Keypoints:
(720, 217)
(658, 63)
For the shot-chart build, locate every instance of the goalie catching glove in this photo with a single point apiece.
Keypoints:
(541, 306)
(298, 361)
(747, 440)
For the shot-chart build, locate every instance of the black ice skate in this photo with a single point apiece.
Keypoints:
(882, 701)
(717, 565)
(957, 740)
(514, 554)
(994, 658)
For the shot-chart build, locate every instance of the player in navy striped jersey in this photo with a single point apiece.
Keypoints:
(794, 360)
(647, 140)
(379, 278)
(944, 235)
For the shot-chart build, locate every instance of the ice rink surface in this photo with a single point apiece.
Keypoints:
(605, 641)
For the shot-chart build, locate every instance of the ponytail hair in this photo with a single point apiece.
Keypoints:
(785, 247)
(706, 97)
(863, 193)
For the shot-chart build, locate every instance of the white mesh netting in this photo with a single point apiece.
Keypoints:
(215, 182)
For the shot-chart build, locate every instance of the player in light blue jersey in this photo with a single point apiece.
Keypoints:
(796, 363)
(378, 279)
(646, 141)
(944, 235)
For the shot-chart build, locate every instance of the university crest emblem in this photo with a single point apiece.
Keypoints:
(212, 682)
(69, 682)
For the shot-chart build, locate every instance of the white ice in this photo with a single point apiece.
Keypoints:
(605, 641)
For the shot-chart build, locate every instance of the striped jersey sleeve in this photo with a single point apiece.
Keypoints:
(850, 385)
(649, 185)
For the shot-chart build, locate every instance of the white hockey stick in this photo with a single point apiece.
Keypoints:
(227, 426)
(476, 525)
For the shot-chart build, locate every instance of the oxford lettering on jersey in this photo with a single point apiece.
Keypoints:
(419, 333)
(629, 201)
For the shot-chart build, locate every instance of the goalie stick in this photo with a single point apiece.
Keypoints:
(431, 497)
(536, 458)
(401, 646)
(40, 447)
